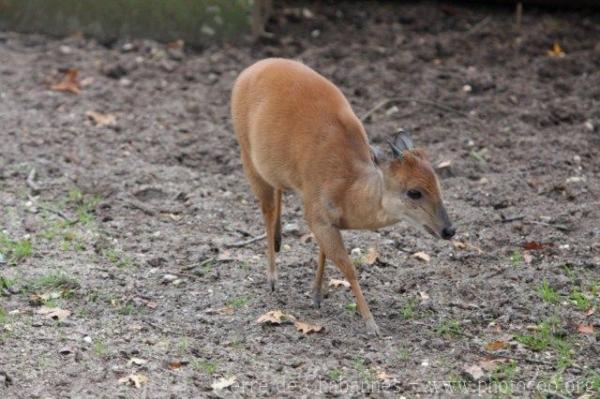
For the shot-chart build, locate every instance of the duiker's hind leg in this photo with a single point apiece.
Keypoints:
(270, 204)
(278, 221)
(318, 283)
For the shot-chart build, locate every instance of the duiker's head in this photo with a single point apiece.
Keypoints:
(411, 187)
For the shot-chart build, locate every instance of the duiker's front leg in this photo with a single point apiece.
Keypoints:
(331, 244)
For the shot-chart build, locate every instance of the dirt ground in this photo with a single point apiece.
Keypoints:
(127, 225)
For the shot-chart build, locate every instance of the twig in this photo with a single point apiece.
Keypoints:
(55, 211)
(201, 264)
(245, 242)
(479, 25)
(58, 213)
(376, 108)
(138, 205)
(560, 227)
(159, 328)
(464, 306)
(512, 218)
(35, 189)
(435, 104)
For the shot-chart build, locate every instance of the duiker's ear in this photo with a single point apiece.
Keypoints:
(377, 154)
(401, 142)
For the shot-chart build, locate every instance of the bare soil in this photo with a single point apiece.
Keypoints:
(129, 224)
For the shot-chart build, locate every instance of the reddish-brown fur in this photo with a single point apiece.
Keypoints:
(298, 132)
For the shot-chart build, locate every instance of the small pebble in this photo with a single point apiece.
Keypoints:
(291, 228)
(356, 252)
(589, 126)
(169, 278)
(178, 282)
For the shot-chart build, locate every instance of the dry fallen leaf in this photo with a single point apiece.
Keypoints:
(424, 296)
(371, 256)
(101, 119)
(40, 299)
(444, 164)
(339, 283)
(307, 328)
(54, 313)
(422, 256)
(382, 375)
(272, 317)
(527, 258)
(227, 310)
(223, 383)
(496, 345)
(556, 51)
(68, 83)
(585, 329)
(174, 365)
(459, 244)
(474, 372)
(134, 379)
(536, 245)
(466, 246)
(491, 365)
(590, 311)
(225, 256)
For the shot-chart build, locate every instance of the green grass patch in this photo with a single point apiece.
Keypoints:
(449, 329)
(6, 283)
(516, 258)
(365, 373)
(204, 366)
(84, 204)
(53, 281)
(3, 316)
(100, 349)
(408, 310)
(569, 272)
(117, 258)
(579, 299)
(14, 251)
(505, 372)
(593, 382)
(403, 354)
(351, 307)
(547, 293)
(238, 303)
(182, 346)
(335, 375)
(548, 337)
(127, 309)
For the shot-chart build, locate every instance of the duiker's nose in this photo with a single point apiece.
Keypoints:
(448, 232)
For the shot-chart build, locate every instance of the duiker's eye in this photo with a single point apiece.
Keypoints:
(414, 194)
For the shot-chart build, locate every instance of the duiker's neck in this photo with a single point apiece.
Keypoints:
(363, 207)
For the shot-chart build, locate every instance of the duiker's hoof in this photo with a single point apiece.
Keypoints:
(317, 298)
(372, 328)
